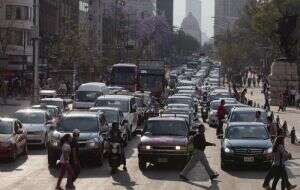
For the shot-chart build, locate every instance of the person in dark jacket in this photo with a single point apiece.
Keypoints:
(200, 144)
(221, 113)
(115, 136)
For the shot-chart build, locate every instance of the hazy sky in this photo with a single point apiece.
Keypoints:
(207, 14)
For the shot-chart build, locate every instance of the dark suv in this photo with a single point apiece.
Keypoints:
(164, 139)
(93, 130)
(246, 144)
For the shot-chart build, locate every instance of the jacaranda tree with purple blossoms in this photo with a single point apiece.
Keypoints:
(154, 36)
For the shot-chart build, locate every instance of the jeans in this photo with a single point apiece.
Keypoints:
(277, 172)
(76, 170)
(198, 156)
(66, 167)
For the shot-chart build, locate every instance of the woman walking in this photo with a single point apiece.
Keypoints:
(64, 162)
(278, 169)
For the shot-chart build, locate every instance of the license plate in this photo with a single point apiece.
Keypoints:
(162, 160)
(248, 159)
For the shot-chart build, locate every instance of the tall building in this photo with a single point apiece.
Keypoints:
(194, 7)
(16, 22)
(68, 15)
(227, 13)
(190, 26)
(166, 7)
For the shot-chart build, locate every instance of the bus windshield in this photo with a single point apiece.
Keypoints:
(124, 75)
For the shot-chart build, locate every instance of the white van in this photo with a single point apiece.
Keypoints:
(87, 94)
(126, 104)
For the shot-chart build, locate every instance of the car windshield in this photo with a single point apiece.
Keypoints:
(86, 96)
(247, 132)
(84, 124)
(111, 116)
(179, 101)
(30, 117)
(249, 116)
(167, 127)
(123, 105)
(6, 127)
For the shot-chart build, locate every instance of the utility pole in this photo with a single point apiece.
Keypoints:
(35, 50)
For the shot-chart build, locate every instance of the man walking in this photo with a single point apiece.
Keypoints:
(221, 113)
(200, 144)
(74, 158)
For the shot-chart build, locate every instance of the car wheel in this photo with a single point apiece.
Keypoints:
(224, 166)
(142, 164)
(99, 157)
(25, 151)
(129, 133)
(14, 155)
(45, 141)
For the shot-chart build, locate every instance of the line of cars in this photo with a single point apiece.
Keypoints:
(246, 140)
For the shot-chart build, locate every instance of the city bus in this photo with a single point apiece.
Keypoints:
(125, 75)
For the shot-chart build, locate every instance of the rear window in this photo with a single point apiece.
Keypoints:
(6, 127)
(250, 116)
(32, 118)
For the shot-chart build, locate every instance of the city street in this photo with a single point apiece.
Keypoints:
(33, 172)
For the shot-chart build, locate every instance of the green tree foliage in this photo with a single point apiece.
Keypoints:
(184, 44)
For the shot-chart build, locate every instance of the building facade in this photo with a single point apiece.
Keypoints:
(227, 13)
(190, 26)
(194, 7)
(166, 7)
(16, 22)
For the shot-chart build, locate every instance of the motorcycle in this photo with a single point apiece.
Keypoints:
(115, 155)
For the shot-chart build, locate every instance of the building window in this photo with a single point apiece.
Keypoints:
(16, 38)
(16, 12)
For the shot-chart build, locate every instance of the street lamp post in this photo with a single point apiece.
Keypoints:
(35, 50)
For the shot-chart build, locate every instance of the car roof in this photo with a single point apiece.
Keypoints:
(247, 109)
(29, 110)
(52, 99)
(124, 65)
(179, 97)
(166, 119)
(7, 119)
(185, 105)
(92, 86)
(105, 108)
(47, 106)
(115, 97)
(232, 124)
(82, 114)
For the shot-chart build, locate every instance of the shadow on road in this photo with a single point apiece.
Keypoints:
(248, 173)
(214, 185)
(36, 150)
(9, 166)
(122, 178)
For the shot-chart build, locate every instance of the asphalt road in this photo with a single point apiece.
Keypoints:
(33, 173)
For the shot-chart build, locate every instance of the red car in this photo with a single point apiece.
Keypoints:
(13, 139)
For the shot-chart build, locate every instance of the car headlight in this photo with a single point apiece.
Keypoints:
(177, 147)
(148, 147)
(228, 150)
(268, 151)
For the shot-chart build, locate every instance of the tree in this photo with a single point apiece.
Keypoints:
(154, 36)
(184, 44)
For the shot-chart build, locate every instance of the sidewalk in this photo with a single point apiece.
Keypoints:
(12, 105)
(291, 115)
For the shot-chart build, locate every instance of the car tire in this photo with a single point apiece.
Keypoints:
(142, 164)
(129, 133)
(45, 145)
(25, 151)
(99, 157)
(14, 155)
(224, 166)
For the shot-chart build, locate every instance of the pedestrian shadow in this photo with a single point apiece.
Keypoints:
(9, 166)
(214, 185)
(122, 178)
